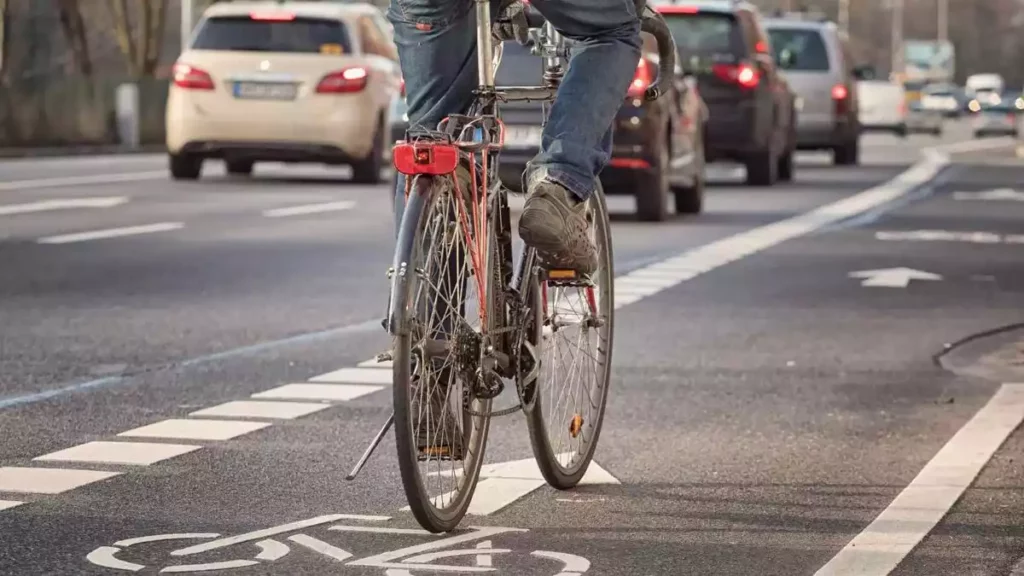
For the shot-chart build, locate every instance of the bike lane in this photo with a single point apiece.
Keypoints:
(659, 431)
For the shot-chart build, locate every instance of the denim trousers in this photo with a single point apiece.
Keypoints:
(437, 50)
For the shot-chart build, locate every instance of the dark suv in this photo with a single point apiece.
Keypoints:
(752, 108)
(657, 147)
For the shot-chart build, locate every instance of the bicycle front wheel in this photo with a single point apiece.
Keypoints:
(440, 425)
(575, 347)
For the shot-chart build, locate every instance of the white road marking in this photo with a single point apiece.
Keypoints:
(330, 392)
(920, 506)
(196, 429)
(978, 237)
(309, 209)
(373, 363)
(995, 194)
(261, 409)
(893, 277)
(134, 453)
(317, 545)
(82, 180)
(48, 480)
(503, 483)
(261, 534)
(62, 204)
(355, 376)
(112, 233)
(7, 504)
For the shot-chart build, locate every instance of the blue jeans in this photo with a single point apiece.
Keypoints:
(437, 49)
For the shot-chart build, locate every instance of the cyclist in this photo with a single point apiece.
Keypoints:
(437, 49)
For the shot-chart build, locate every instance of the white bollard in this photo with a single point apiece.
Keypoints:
(127, 113)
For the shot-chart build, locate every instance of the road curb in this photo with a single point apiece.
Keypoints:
(75, 151)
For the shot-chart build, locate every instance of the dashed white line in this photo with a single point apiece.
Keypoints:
(196, 429)
(920, 506)
(309, 209)
(355, 376)
(47, 480)
(62, 204)
(112, 233)
(318, 392)
(81, 180)
(260, 409)
(132, 453)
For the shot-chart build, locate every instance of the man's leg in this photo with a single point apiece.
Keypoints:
(576, 143)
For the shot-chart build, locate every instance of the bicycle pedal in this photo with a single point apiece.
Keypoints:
(566, 278)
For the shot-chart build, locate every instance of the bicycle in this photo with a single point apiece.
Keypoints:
(517, 302)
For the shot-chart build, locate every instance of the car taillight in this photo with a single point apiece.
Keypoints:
(743, 74)
(678, 9)
(191, 78)
(839, 92)
(272, 16)
(642, 79)
(343, 81)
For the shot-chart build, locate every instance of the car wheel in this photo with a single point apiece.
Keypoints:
(367, 171)
(240, 167)
(652, 191)
(847, 154)
(762, 169)
(786, 166)
(185, 166)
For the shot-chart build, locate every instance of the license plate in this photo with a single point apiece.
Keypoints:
(522, 136)
(265, 90)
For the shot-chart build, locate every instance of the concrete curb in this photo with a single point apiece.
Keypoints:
(71, 151)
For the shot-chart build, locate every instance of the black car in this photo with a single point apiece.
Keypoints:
(752, 112)
(657, 148)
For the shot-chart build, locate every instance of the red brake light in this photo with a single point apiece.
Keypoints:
(272, 16)
(743, 74)
(761, 47)
(344, 81)
(642, 79)
(191, 78)
(839, 92)
(677, 9)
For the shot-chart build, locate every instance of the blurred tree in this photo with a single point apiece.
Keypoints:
(76, 35)
(140, 33)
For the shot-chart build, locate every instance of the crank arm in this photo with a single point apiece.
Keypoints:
(373, 446)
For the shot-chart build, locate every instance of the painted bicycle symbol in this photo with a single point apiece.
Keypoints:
(269, 545)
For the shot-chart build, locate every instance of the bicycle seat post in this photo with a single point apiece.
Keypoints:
(485, 46)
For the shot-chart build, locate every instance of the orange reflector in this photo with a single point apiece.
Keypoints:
(561, 274)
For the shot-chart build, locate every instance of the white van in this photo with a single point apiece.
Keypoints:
(883, 106)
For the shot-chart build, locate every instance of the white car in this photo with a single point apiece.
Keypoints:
(883, 106)
(286, 82)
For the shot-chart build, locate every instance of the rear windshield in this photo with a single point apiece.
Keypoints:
(705, 35)
(806, 48)
(242, 33)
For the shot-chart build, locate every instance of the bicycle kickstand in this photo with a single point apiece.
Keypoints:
(373, 446)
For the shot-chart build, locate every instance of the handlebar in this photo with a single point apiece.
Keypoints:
(651, 22)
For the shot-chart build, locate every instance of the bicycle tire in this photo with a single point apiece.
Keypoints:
(555, 474)
(424, 197)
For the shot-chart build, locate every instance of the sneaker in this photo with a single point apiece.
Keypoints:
(557, 226)
(434, 444)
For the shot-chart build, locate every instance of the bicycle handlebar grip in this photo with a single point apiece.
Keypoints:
(654, 24)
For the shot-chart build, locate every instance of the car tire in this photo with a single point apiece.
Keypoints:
(762, 169)
(786, 166)
(185, 166)
(367, 171)
(847, 154)
(902, 131)
(240, 167)
(652, 190)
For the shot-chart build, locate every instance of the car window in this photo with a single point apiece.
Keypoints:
(706, 34)
(243, 33)
(806, 46)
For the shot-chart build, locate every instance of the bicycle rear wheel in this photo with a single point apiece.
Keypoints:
(575, 347)
(439, 432)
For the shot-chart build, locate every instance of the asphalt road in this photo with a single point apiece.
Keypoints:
(777, 409)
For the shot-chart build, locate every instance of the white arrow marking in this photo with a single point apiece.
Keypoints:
(995, 194)
(892, 277)
(505, 482)
(62, 204)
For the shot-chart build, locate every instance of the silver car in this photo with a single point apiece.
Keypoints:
(819, 68)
